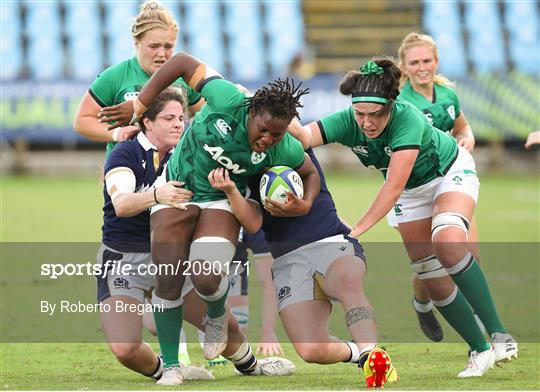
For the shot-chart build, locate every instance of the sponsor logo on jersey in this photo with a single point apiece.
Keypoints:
(457, 180)
(257, 157)
(144, 164)
(388, 151)
(362, 150)
(451, 112)
(398, 209)
(217, 155)
(429, 117)
(121, 283)
(222, 127)
(131, 95)
(284, 292)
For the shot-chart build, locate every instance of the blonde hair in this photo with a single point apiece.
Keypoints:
(152, 15)
(412, 40)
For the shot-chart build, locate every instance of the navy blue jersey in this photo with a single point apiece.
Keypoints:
(287, 234)
(131, 234)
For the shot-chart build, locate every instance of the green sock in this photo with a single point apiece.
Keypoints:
(216, 301)
(168, 325)
(472, 282)
(459, 315)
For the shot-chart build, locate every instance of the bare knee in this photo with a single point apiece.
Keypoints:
(125, 352)
(450, 247)
(350, 285)
(312, 352)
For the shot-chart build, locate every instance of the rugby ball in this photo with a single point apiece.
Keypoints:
(279, 180)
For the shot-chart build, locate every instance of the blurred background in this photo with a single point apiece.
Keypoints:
(52, 50)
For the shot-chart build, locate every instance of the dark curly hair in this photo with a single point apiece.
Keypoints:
(386, 84)
(280, 98)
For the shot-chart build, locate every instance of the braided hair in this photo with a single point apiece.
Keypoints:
(280, 98)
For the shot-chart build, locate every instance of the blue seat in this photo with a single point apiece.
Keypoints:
(484, 26)
(43, 29)
(449, 40)
(242, 24)
(285, 28)
(203, 26)
(522, 23)
(119, 18)
(10, 45)
(84, 45)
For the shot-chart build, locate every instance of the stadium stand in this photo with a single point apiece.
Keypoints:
(284, 26)
(45, 49)
(85, 49)
(10, 45)
(203, 27)
(239, 18)
(52, 50)
(486, 43)
(450, 40)
(523, 26)
(119, 17)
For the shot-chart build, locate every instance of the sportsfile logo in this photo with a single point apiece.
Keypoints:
(284, 292)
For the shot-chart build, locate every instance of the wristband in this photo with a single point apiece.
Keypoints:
(155, 196)
(116, 133)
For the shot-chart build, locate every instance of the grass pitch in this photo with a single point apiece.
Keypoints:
(69, 210)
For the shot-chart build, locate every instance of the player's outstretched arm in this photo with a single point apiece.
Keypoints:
(246, 211)
(181, 65)
(399, 170)
(463, 133)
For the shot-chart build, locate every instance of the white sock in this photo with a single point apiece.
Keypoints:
(355, 351)
(182, 347)
(422, 308)
(201, 338)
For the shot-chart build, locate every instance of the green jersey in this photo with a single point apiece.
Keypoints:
(218, 137)
(123, 81)
(406, 130)
(444, 109)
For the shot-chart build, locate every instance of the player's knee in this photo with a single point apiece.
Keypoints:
(348, 284)
(311, 352)
(125, 352)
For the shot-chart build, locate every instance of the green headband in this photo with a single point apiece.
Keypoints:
(381, 100)
(371, 68)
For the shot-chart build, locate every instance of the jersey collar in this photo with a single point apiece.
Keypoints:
(144, 142)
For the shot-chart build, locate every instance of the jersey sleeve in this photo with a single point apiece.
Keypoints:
(192, 96)
(455, 100)
(339, 127)
(221, 95)
(408, 131)
(289, 152)
(104, 87)
(120, 156)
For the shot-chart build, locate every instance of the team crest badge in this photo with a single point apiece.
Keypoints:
(362, 150)
(451, 112)
(388, 151)
(257, 157)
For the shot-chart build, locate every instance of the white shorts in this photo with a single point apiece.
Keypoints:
(222, 204)
(415, 204)
(134, 281)
(299, 275)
